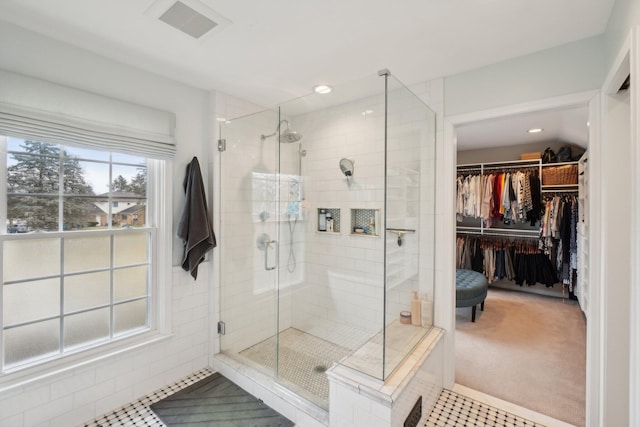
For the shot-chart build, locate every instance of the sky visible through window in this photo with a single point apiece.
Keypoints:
(95, 173)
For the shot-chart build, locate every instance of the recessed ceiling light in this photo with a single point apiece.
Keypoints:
(322, 89)
(221, 119)
(367, 112)
(535, 130)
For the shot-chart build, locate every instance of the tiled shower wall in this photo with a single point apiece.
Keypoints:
(336, 288)
(341, 299)
(248, 302)
(342, 296)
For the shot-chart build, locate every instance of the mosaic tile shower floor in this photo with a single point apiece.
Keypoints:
(302, 360)
(451, 410)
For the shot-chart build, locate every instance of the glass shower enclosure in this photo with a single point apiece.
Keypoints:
(327, 233)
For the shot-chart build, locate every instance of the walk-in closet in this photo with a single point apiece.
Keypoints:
(522, 221)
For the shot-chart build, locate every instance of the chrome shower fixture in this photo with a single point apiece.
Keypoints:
(288, 136)
(346, 166)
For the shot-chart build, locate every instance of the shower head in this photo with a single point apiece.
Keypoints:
(346, 166)
(287, 136)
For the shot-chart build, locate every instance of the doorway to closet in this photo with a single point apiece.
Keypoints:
(528, 345)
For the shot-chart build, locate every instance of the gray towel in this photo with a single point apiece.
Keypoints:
(194, 227)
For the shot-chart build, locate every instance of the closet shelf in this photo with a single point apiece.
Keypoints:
(499, 232)
(518, 163)
(546, 165)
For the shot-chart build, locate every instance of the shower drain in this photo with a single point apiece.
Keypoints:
(321, 369)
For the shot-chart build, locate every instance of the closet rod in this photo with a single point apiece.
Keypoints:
(512, 162)
(517, 236)
(498, 231)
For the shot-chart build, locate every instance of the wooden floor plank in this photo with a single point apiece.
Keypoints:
(216, 401)
(197, 401)
(208, 408)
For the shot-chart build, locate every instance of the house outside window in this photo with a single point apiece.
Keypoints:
(77, 250)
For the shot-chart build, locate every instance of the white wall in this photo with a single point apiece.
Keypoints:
(38, 56)
(570, 68)
(78, 395)
(616, 180)
(625, 17)
(625, 14)
(577, 67)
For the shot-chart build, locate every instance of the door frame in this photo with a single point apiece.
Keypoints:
(445, 310)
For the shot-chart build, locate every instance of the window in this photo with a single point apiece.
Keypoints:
(77, 269)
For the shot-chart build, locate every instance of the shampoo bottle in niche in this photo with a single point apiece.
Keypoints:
(329, 218)
(322, 220)
(415, 310)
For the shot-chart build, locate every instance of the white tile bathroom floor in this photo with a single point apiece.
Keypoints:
(451, 410)
(139, 413)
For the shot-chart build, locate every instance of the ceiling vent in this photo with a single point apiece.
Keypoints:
(187, 20)
(191, 17)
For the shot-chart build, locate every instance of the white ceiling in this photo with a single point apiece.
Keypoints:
(567, 125)
(273, 51)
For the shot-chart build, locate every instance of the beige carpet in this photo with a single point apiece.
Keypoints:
(526, 349)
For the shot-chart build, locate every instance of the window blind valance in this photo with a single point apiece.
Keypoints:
(44, 111)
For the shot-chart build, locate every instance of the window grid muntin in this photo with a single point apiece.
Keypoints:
(151, 167)
(71, 313)
(60, 194)
(150, 232)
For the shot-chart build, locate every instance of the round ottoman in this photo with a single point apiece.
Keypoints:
(471, 290)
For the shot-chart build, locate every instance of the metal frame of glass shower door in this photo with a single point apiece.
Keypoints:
(277, 245)
(385, 73)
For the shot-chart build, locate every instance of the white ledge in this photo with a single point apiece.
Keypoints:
(387, 392)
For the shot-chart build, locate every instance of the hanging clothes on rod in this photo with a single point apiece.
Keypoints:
(499, 194)
(498, 258)
(558, 236)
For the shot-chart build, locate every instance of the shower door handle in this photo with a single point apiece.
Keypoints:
(264, 243)
(266, 255)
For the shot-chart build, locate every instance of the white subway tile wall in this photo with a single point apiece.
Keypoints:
(334, 288)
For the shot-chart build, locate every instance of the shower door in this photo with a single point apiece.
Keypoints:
(249, 241)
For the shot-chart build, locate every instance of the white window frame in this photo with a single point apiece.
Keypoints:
(159, 201)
